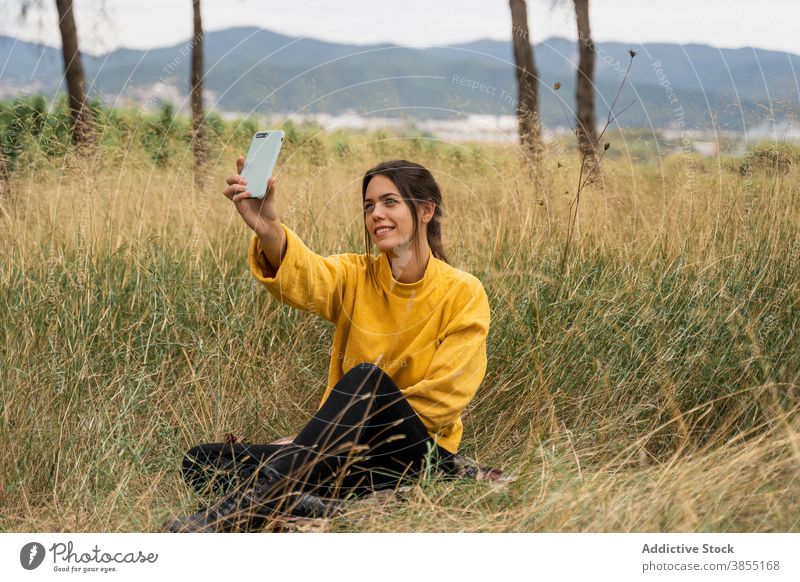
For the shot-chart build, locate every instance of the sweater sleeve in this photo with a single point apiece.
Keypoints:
(304, 280)
(457, 368)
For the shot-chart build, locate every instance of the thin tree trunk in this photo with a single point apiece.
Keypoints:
(527, 81)
(586, 125)
(198, 129)
(5, 178)
(83, 133)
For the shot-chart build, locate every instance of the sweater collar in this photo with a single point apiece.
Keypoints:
(391, 285)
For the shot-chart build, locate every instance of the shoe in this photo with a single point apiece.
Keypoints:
(312, 506)
(245, 508)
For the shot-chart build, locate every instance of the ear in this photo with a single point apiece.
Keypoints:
(428, 208)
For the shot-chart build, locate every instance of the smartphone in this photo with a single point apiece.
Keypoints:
(260, 161)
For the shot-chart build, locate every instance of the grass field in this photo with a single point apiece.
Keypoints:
(653, 386)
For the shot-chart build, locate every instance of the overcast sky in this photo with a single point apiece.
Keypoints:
(104, 25)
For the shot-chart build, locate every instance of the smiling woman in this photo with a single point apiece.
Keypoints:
(409, 353)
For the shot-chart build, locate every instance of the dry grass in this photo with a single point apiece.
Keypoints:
(654, 389)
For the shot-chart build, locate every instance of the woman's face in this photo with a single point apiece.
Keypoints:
(387, 216)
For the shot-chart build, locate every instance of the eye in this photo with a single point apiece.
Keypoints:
(390, 202)
(368, 207)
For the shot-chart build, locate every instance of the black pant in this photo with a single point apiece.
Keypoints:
(365, 437)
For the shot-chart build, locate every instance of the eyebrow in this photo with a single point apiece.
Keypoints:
(382, 196)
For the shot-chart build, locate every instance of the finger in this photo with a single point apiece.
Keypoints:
(239, 164)
(234, 189)
(235, 179)
(270, 186)
(241, 196)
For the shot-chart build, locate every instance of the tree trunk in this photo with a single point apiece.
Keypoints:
(82, 125)
(586, 125)
(5, 179)
(196, 90)
(527, 81)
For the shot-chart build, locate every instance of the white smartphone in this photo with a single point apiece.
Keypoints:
(260, 160)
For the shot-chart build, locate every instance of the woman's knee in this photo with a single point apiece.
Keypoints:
(369, 369)
(365, 377)
(366, 368)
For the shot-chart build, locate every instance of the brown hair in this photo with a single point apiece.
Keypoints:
(415, 184)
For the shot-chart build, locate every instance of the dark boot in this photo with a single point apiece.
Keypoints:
(245, 508)
(311, 506)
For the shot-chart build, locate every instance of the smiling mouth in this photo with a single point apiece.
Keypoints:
(383, 230)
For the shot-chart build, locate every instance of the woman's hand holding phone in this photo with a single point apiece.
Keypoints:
(260, 214)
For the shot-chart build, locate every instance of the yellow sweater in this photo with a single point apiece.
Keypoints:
(428, 336)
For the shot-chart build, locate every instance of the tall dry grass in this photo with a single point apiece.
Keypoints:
(652, 386)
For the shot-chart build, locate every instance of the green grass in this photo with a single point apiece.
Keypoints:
(652, 386)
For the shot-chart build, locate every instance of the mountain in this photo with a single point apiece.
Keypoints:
(256, 70)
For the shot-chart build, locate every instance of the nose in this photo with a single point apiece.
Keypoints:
(377, 211)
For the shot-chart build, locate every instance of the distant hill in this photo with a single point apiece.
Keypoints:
(256, 70)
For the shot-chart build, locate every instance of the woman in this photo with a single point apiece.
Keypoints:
(409, 352)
